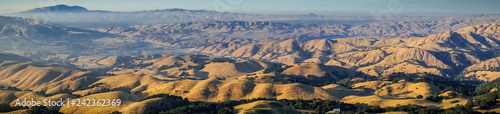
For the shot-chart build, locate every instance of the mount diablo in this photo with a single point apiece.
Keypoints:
(58, 8)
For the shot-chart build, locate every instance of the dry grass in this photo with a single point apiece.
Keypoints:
(43, 77)
(232, 71)
(484, 75)
(305, 69)
(6, 96)
(37, 97)
(274, 107)
(408, 90)
(374, 100)
(131, 104)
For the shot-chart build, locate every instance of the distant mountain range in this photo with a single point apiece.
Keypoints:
(58, 8)
(16, 27)
(79, 9)
(28, 36)
(194, 34)
(316, 26)
(81, 17)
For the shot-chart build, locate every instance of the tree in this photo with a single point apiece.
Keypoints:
(6, 108)
(469, 104)
(116, 112)
(435, 98)
(346, 82)
(274, 68)
(41, 110)
(483, 104)
(420, 96)
(452, 94)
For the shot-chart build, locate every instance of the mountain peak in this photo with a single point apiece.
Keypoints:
(58, 8)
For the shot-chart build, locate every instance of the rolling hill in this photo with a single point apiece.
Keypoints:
(248, 60)
(212, 90)
(443, 54)
(24, 74)
(265, 107)
(487, 70)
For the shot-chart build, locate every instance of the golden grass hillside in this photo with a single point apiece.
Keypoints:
(408, 90)
(7, 96)
(191, 66)
(406, 61)
(265, 107)
(131, 104)
(374, 100)
(127, 83)
(48, 78)
(486, 65)
(486, 76)
(98, 61)
(388, 94)
(213, 90)
(438, 54)
(231, 70)
(38, 97)
(362, 58)
(485, 70)
(319, 70)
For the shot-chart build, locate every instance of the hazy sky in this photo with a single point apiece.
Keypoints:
(324, 7)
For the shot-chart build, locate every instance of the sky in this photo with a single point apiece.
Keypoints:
(322, 7)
